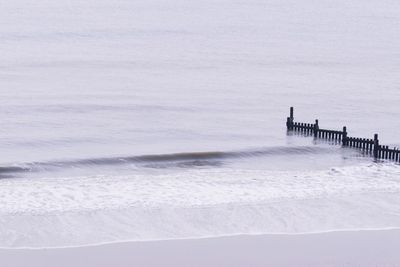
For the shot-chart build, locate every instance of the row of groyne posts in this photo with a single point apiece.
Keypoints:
(369, 146)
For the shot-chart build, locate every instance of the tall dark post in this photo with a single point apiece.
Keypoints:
(290, 120)
(376, 146)
(316, 128)
(344, 139)
(291, 114)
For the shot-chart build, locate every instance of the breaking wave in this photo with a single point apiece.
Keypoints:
(190, 158)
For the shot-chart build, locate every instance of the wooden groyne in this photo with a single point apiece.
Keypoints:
(369, 146)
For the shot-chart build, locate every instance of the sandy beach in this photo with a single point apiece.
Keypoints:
(346, 248)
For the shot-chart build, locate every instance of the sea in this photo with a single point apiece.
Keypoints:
(152, 120)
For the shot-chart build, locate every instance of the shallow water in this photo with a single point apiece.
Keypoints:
(146, 106)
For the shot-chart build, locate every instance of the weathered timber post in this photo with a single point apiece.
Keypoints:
(376, 146)
(291, 114)
(290, 120)
(344, 139)
(316, 128)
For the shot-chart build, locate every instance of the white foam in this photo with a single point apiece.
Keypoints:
(196, 203)
(191, 188)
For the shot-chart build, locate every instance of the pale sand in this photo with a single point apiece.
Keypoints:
(353, 248)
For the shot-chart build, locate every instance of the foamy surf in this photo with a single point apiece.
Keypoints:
(195, 203)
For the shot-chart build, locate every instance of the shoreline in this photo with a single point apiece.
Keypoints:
(202, 237)
(336, 248)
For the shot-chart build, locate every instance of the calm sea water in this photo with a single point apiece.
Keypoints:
(114, 113)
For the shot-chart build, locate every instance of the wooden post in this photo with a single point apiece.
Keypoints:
(291, 114)
(376, 146)
(290, 120)
(316, 128)
(344, 139)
